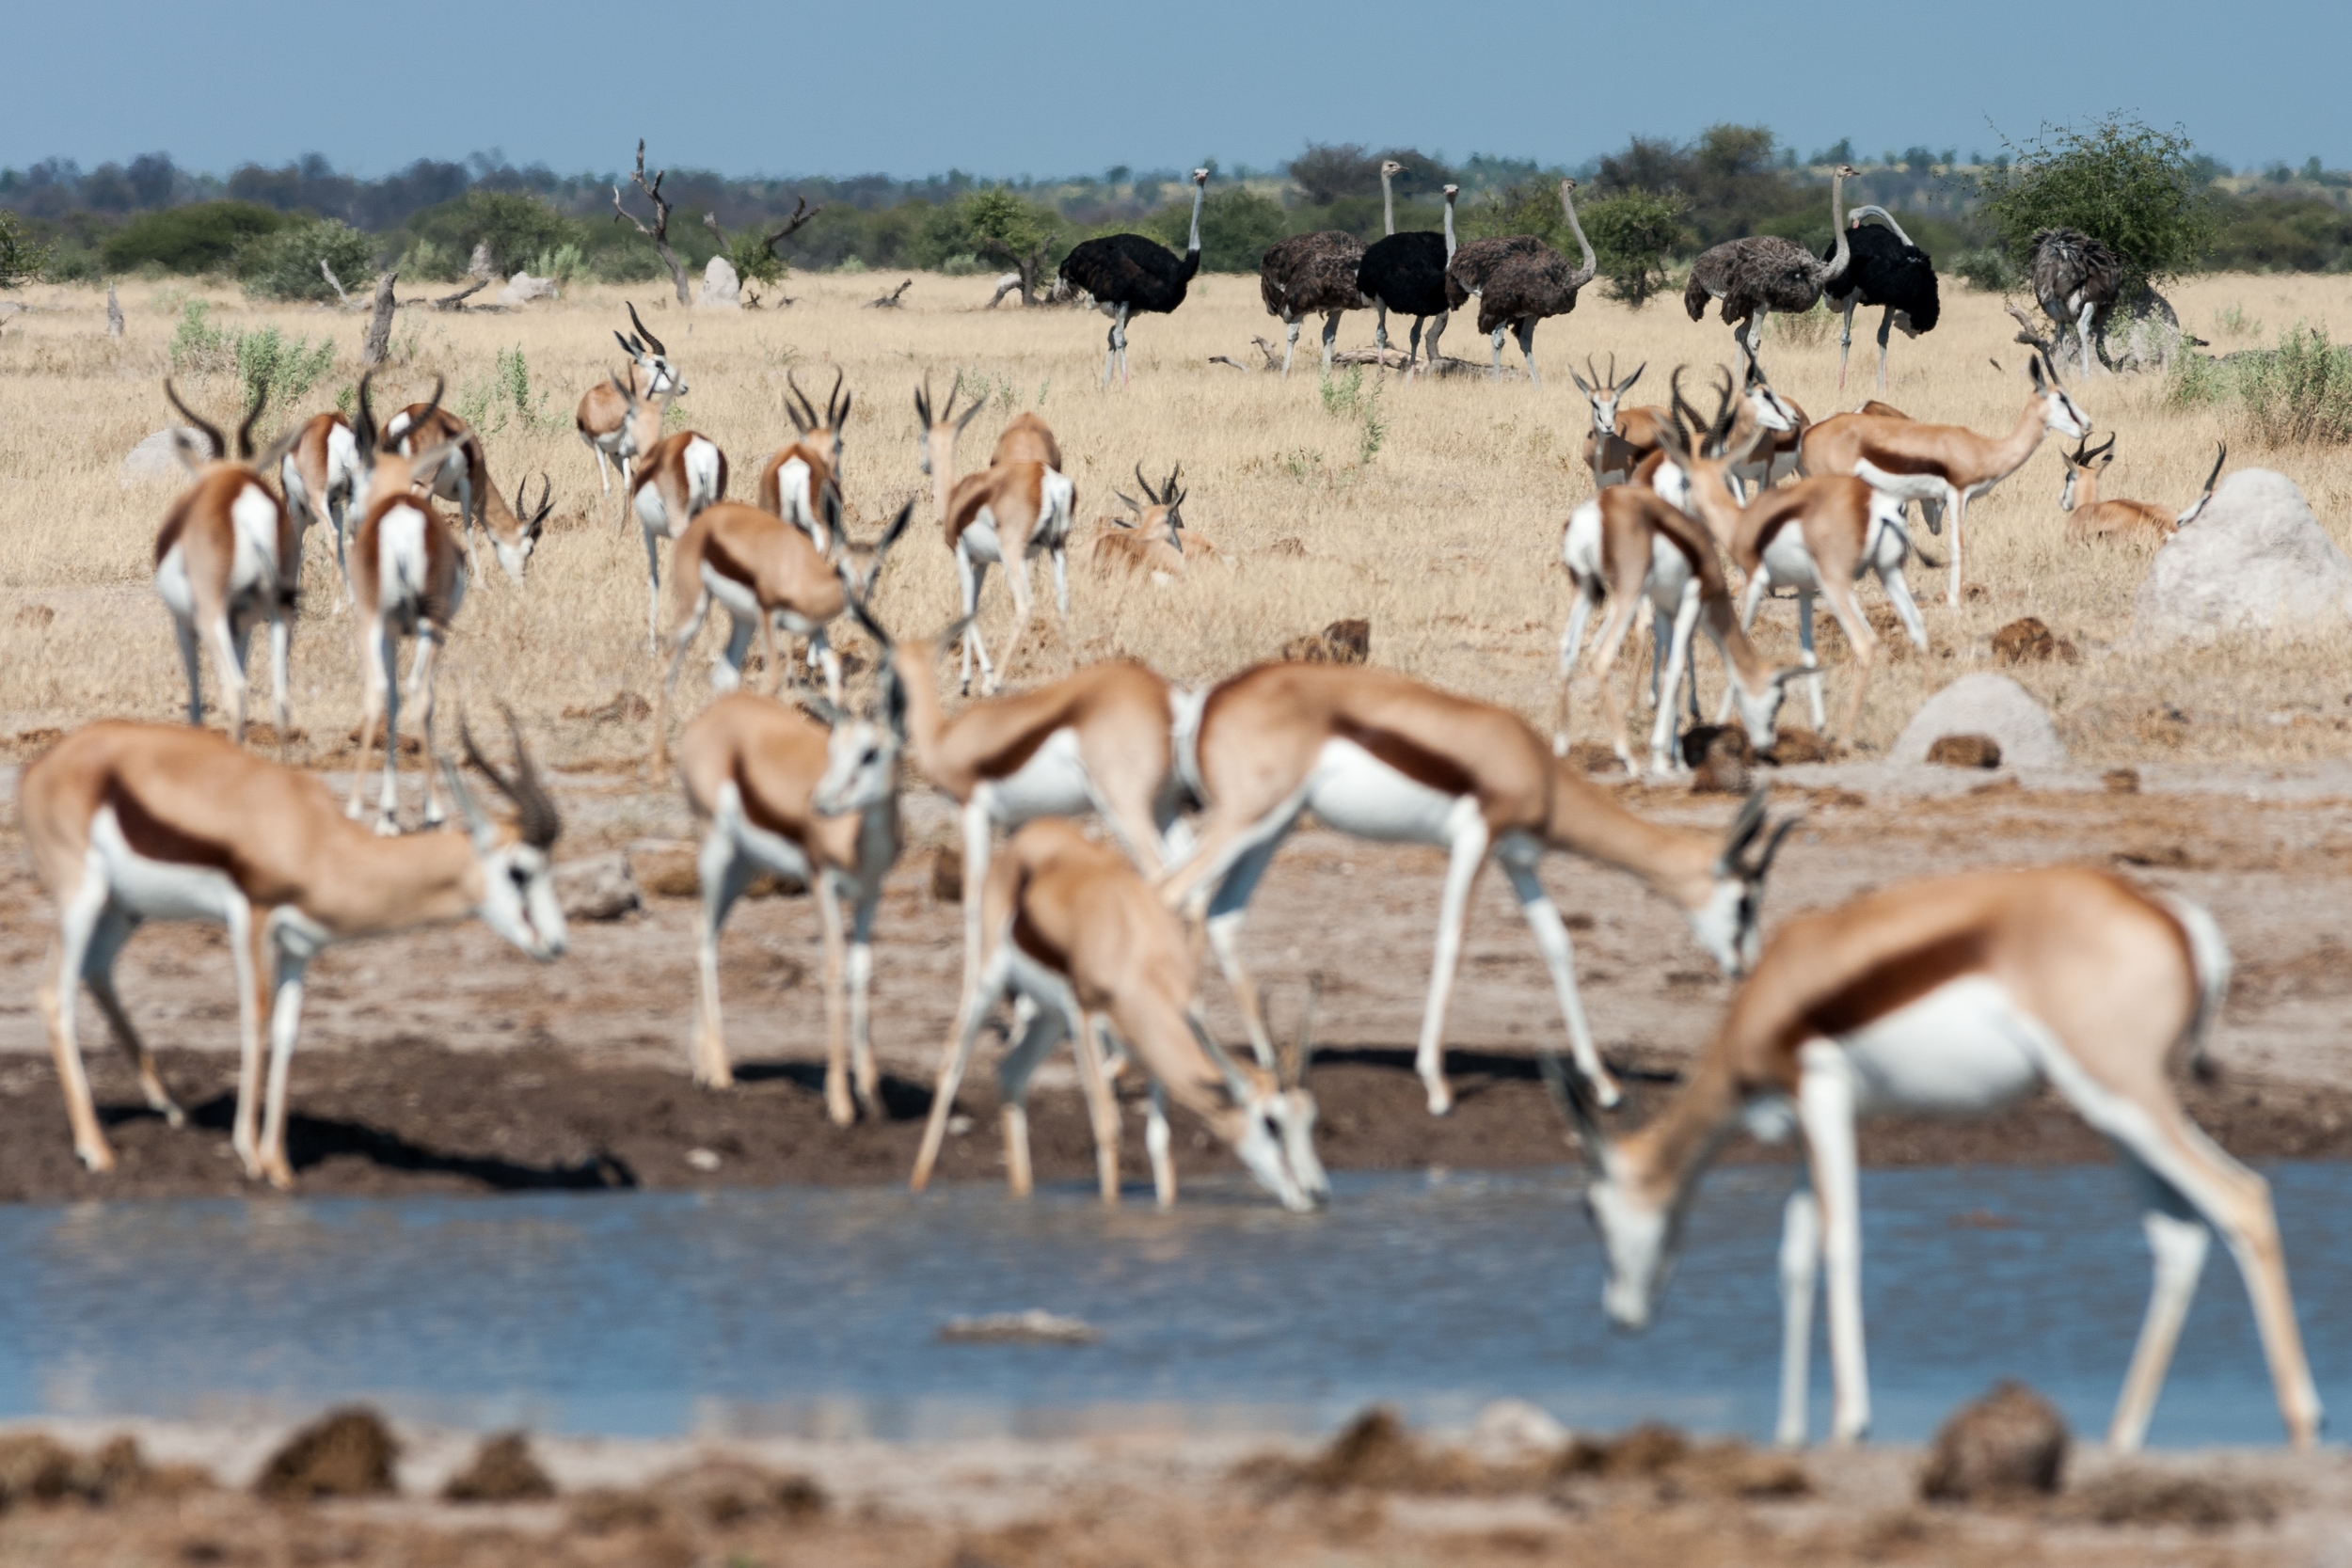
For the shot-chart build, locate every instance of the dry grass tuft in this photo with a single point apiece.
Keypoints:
(1446, 537)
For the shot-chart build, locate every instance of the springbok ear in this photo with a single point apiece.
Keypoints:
(820, 707)
(897, 526)
(1129, 500)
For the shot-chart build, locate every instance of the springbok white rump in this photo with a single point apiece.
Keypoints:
(1382, 757)
(1074, 929)
(1958, 997)
(130, 822)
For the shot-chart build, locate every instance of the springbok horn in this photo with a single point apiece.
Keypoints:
(645, 332)
(244, 431)
(1781, 829)
(211, 432)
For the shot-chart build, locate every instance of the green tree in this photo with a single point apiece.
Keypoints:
(2138, 189)
(203, 237)
(1530, 207)
(1633, 234)
(21, 257)
(1236, 226)
(285, 265)
(516, 228)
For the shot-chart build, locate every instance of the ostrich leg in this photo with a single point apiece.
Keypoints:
(1845, 342)
(1110, 350)
(2082, 333)
(1412, 350)
(1494, 371)
(1380, 328)
(1290, 347)
(1886, 325)
(1331, 336)
(1122, 346)
(1437, 330)
(1526, 333)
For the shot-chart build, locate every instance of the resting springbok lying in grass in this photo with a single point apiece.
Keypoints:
(1957, 997)
(2088, 517)
(135, 822)
(228, 555)
(1072, 928)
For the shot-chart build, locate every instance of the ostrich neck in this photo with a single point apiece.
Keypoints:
(1883, 217)
(1193, 245)
(1388, 203)
(1591, 265)
(1449, 229)
(1837, 264)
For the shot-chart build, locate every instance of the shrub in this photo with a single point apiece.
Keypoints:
(1531, 207)
(2297, 392)
(1633, 234)
(2142, 191)
(1236, 226)
(285, 265)
(265, 359)
(199, 238)
(21, 257)
(1989, 270)
(515, 227)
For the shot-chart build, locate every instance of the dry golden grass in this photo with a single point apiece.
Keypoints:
(1447, 539)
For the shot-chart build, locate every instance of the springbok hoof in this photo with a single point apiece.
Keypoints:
(97, 1159)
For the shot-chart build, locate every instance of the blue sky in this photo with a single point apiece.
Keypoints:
(1051, 88)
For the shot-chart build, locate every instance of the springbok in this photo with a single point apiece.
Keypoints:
(1026, 438)
(1379, 756)
(1819, 536)
(464, 477)
(1945, 463)
(1957, 997)
(2088, 517)
(793, 482)
(675, 478)
(135, 822)
(320, 476)
(764, 573)
(752, 768)
(1620, 437)
(1072, 928)
(227, 555)
(1002, 515)
(1155, 541)
(1099, 740)
(602, 417)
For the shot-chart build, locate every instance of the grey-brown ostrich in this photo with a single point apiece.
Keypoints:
(1518, 281)
(2076, 279)
(1763, 273)
(1311, 275)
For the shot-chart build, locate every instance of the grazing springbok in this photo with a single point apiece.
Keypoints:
(1072, 928)
(1381, 757)
(792, 483)
(602, 419)
(228, 555)
(407, 580)
(752, 770)
(1629, 546)
(1819, 536)
(2088, 517)
(1958, 997)
(1620, 436)
(765, 574)
(1003, 515)
(1099, 740)
(1945, 463)
(464, 477)
(320, 475)
(135, 822)
(676, 477)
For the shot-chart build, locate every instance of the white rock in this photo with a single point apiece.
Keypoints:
(2254, 561)
(157, 458)
(722, 290)
(596, 888)
(1983, 704)
(522, 289)
(1513, 1429)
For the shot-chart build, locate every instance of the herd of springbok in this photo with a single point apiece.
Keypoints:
(1959, 995)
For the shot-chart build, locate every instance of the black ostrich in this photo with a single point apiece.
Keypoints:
(1405, 273)
(2076, 279)
(1127, 274)
(1884, 268)
(1518, 281)
(1311, 275)
(1763, 273)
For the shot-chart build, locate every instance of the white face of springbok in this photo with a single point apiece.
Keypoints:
(1605, 393)
(1729, 924)
(861, 766)
(1637, 1237)
(2084, 463)
(519, 899)
(2060, 415)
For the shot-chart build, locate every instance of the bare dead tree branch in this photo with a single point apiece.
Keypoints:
(659, 232)
(892, 300)
(457, 300)
(334, 282)
(379, 338)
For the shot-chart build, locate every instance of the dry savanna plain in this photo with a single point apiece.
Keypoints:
(442, 1060)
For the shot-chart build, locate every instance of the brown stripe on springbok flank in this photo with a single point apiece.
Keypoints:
(1895, 461)
(175, 523)
(158, 840)
(1434, 769)
(1033, 941)
(716, 555)
(1902, 978)
(1008, 760)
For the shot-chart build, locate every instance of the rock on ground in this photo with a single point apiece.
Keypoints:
(345, 1454)
(596, 888)
(722, 290)
(156, 458)
(2255, 560)
(2011, 1443)
(1984, 705)
(502, 1471)
(522, 289)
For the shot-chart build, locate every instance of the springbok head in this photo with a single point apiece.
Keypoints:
(941, 426)
(1166, 512)
(824, 431)
(858, 564)
(1604, 393)
(2083, 465)
(515, 556)
(646, 352)
(517, 899)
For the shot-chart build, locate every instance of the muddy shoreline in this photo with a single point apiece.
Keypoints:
(414, 1117)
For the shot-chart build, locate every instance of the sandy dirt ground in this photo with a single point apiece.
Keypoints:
(1644, 1498)
(445, 1060)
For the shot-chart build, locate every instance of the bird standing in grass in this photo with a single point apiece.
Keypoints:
(1128, 275)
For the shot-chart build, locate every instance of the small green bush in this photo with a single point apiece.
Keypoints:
(2296, 393)
(1988, 270)
(515, 227)
(1633, 234)
(21, 257)
(199, 238)
(1530, 207)
(285, 265)
(264, 359)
